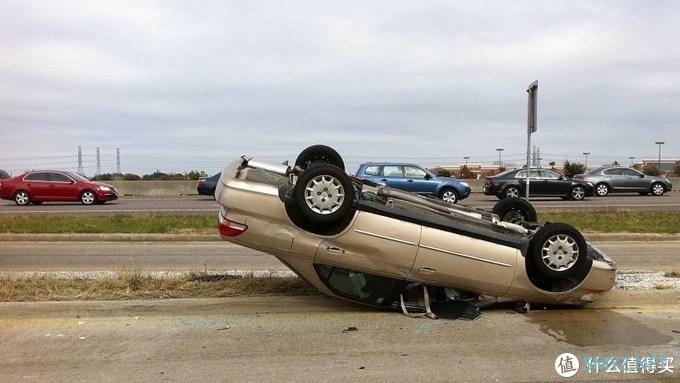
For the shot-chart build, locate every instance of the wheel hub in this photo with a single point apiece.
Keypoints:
(449, 197)
(324, 194)
(658, 189)
(560, 252)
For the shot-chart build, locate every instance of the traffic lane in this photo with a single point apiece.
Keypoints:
(302, 339)
(219, 256)
(207, 205)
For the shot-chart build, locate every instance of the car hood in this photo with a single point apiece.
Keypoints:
(102, 184)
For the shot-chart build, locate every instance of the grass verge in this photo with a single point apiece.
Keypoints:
(142, 223)
(145, 223)
(125, 285)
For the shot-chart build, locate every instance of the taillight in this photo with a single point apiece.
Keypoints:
(229, 228)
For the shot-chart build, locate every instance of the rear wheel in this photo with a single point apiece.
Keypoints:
(515, 210)
(578, 193)
(449, 195)
(22, 198)
(88, 197)
(558, 251)
(658, 189)
(602, 190)
(324, 193)
(319, 154)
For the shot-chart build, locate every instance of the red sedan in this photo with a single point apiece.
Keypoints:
(49, 185)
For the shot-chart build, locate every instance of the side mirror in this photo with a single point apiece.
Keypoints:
(563, 178)
(642, 176)
(428, 177)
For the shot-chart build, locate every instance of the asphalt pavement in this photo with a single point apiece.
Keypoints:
(220, 256)
(314, 338)
(207, 205)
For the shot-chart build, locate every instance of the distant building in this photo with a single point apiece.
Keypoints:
(666, 164)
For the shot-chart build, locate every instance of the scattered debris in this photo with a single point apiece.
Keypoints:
(81, 323)
(82, 337)
(60, 335)
(522, 307)
(137, 318)
(676, 331)
(223, 328)
(362, 368)
(349, 329)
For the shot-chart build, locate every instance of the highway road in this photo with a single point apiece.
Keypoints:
(306, 339)
(221, 256)
(206, 205)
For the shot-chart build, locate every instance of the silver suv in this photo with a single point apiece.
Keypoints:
(616, 179)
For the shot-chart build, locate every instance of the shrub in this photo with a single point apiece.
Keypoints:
(651, 170)
(573, 168)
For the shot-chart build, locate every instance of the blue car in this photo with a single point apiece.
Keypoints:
(415, 179)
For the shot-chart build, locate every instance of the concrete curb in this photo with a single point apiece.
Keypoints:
(123, 237)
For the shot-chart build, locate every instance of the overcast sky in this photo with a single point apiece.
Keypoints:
(178, 85)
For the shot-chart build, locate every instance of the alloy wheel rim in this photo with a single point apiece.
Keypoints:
(449, 197)
(22, 198)
(602, 189)
(560, 252)
(512, 193)
(87, 198)
(658, 189)
(577, 193)
(324, 194)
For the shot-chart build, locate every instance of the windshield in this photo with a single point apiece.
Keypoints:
(504, 173)
(78, 177)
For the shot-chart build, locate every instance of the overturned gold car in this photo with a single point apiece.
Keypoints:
(370, 244)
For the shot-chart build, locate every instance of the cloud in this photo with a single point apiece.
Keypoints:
(181, 86)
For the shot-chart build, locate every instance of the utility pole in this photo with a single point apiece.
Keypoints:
(659, 143)
(586, 154)
(117, 160)
(80, 160)
(99, 163)
(532, 125)
(466, 158)
(631, 158)
(500, 162)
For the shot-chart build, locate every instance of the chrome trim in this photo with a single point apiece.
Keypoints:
(385, 237)
(464, 255)
(253, 187)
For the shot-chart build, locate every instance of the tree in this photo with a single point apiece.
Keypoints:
(442, 172)
(676, 170)
(465, 173)
(195, 174)
(573, 168)
(651, 170)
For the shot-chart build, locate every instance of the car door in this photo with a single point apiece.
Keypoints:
(373, 244)
(459, 261)
(537, 184)
(635, 180)
(393, 176)
(616, 180)
(420, 181)
(555, 184)
(372, 173)
(63, 188)
(38, 185)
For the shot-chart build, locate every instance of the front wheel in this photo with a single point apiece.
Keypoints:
(449, 196)
(559, 251)
(658, 189)
(88, 197)
(22, 198)
(324, 193)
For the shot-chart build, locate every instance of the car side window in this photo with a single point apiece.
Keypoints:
(521, 174)
(392, 171)
(612, 172)
(37, 177)
(372, 170)
(629, 172)
(368, 288)
(535, 174)
(547, 174)
(58, 177)
(414, 172)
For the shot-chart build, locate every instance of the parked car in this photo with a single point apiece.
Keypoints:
(50, 185)
(4, 175)
(207, 185)
(542, 182)
(414, 179)
(616, 179)
(369, 243)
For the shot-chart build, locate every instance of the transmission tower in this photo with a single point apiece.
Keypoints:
(117, 160)
(99, 163)
(80, 160)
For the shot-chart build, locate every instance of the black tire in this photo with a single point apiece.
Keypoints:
(601, 189)
(561, 235)
(319, 154)
(515, 210)
(449, 195)
(88, 197)
(314, 211)
(511, 192)
(643, 193)
(22, 198)
(657, 189)
(577, 193)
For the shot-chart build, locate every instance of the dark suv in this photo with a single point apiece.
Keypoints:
(616, 179)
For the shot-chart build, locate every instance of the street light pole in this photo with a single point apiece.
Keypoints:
(586, 154)
(500, 162)
(466, 158)
(659, 143)
(631, 158)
